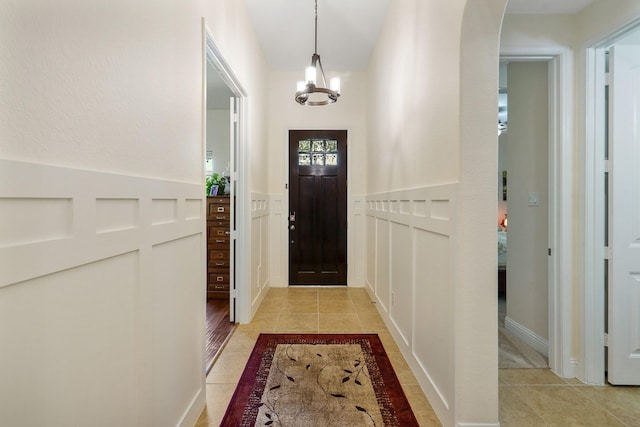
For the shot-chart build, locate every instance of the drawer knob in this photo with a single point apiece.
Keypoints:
(221, 209)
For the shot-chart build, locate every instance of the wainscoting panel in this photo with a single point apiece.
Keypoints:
(401, 289)
(116, 214)
(55, 347)
(433, 293)
(278, 243)
(410, 273)
(382, 288)
(26, 220)
(356, 242)
(164, 211)
(371, 254)
(260, 223)
(102, 296)
(177, 305)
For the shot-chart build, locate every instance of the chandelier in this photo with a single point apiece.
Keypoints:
(311, 91)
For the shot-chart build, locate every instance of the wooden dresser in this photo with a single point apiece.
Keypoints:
(218, 246)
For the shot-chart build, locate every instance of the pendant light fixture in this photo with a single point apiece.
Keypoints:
(311, 91)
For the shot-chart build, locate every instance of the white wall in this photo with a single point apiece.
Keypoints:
(102, 287)
(406, 133)
(601, 20)
(218, 133)
(348, 113)
(432, 129)
(96, 92)
(527, 273)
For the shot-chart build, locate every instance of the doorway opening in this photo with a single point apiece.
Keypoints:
(557, 209)
(223, 161)
(523, 279)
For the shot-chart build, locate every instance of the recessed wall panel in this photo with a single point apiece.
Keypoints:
(440, 209)
(401, 279)
(30, 220)
(382, 263)
(164, 211)
(193, 208)
(178, 291)
(434, 282)
(68, 346)
(371, 251)
(116, 214)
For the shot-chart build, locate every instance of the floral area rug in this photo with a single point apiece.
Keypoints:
(318, 380)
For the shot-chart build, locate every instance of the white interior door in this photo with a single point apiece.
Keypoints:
(624, 216)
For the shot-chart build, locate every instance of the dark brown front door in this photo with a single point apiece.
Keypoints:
(318, 207)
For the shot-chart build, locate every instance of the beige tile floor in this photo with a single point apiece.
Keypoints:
(528, 397)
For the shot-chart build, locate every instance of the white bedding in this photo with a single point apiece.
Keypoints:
(502, 250)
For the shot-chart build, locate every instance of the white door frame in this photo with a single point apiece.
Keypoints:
(592, 207)
(561, 260)
(213, 55)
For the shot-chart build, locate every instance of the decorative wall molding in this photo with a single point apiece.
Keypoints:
(356, 241)
(114, 265)
(279, 247)
(410, 272)
(260, 230)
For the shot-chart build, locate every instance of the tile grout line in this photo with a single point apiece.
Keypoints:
(601, 407)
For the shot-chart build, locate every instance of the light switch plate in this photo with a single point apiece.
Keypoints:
(533, 198)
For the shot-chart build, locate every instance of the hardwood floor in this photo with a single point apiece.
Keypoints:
(218, 329)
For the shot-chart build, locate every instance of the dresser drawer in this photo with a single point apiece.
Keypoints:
(218, 255)
(219, 219)
(217, 232)
(219, 280)
(216, 210)
(218, 243)
(218, 266)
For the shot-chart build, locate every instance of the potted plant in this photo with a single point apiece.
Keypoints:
(216, 184)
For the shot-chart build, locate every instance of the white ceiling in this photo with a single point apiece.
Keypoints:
(548, 7)
(347, 31)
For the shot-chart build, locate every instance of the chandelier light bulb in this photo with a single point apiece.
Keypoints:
(334, 84)
(310, 75)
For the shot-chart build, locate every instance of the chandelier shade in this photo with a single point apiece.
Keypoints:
(310, 91)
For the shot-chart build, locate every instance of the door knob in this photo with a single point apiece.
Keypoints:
(292, 227)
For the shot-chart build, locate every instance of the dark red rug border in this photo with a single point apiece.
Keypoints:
(235, 410)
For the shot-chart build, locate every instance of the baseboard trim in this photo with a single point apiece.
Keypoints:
(195, 408)
(539, 343)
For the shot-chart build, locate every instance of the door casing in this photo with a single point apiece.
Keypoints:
(296, 219)
(240, 263)
(560, 273)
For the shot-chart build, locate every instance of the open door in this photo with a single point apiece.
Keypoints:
(233, 182)
(624, 216)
